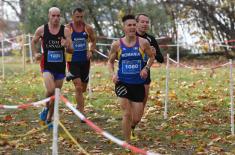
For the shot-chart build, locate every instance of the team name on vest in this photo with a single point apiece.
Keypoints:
(79, 42)
(53, 44)
(130, 54)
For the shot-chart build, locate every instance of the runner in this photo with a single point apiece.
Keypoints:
(84, 42)
(55, 40)
(141, 31)
(131, 74)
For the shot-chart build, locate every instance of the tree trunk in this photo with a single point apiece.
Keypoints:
(97, 26)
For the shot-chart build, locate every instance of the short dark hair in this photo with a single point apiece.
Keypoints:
(80, 10)
(140, 14)
(127, 17)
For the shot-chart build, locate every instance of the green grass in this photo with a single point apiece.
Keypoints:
(198, 117)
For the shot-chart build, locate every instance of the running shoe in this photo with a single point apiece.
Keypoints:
(49, 124)
(69, 76)
(43, 114)
(83, 121)
(133, 136)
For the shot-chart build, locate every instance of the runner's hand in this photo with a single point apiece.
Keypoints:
(143, 73)
(153, 50)
(63, 42)
(89, 55)
(38, 57)
(114, 78)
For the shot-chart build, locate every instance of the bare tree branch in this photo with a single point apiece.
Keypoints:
(10, 3)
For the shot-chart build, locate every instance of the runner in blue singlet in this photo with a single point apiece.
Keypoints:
(130, 77)
(78, 64)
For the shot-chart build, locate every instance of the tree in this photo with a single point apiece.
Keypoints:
(161, 23)
(216, 18)
(21, 12)
(104, 15)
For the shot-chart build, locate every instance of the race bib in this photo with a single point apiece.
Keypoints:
(79, 44)
(131, 67)
(55, 56)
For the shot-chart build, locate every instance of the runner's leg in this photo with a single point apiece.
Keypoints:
(50, 88)
(79, 94)
(126, 118)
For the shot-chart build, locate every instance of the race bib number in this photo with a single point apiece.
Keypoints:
(79, 44)
(55, 56)
(131, 67)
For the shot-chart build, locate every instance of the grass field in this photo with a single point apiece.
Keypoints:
(198, 118)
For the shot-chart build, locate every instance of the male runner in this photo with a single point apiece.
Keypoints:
(55, 39)
(131, 75)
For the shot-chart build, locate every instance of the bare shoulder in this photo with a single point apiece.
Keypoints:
(144, 44)
(143, 41)
(39, 32)
(88, 27)
(115, 46)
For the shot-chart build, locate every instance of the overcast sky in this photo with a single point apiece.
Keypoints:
(9, 13)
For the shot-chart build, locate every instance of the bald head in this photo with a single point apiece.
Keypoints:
(54, 15)
(54, 9)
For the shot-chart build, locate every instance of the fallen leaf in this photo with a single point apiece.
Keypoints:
(8, 118)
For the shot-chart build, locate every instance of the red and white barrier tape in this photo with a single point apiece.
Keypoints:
(105, 37)
(103, 54)
(14, 38)
(196, 68)
(229, 41)
(102, 44)
(174, 45)
(215, 42)
(24, 106)
(168, 45)
(104, 133)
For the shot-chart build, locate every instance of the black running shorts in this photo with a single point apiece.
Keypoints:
(79, 70)
(148, 79)
(133, 92)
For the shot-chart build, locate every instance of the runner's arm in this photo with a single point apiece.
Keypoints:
(37, 35)
(112, 57)
(68, 41)
(92, 39)
(158, 56)
(150, 54)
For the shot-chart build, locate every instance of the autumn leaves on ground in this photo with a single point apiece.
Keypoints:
(198, 114)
